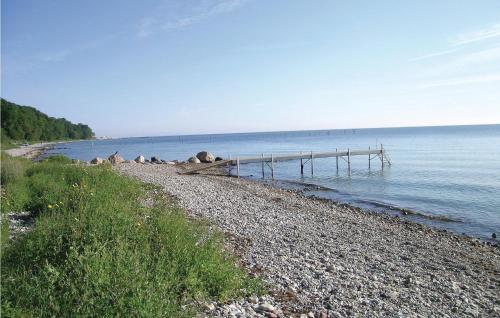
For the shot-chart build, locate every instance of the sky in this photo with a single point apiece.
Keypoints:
(164, 67)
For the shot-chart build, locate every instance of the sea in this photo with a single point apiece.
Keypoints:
(447, 177)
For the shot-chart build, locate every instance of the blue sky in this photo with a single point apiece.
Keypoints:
(160, 67)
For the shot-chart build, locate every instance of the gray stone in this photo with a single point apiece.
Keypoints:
(205, 156)
(115, 159)
(96, 161)
(140, 159)
(265, 307)
(194, 160)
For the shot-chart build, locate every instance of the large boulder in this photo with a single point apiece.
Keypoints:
(96, 161)
(194, 160)
(140, 159)
(155, 160)
(116, 158)
(219, 158)
(205, 156)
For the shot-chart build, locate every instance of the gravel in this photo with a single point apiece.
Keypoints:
(322, 259)
(19, 223)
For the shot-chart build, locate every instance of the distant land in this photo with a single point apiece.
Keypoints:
(25, 123)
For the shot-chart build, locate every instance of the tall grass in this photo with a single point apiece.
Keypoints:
(97, 251)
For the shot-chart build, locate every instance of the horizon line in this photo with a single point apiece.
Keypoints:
(299, 130)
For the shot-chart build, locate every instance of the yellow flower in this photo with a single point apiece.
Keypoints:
(50, 206)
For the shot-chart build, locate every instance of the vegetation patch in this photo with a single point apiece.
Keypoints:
(96, 250)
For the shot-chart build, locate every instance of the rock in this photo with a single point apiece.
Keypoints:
(155, 159)
(253, 299)
(205, 156)
(140, 159)
(170, 163)
(75, 161)
(271, 315)
(493, 235)
(472, 311)
(116, 158)
(129, 161)
(194, 160)
(209, 307)
(219, 158)
(266, 307)
(96, 161)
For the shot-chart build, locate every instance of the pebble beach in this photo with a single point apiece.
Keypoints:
(323, 259)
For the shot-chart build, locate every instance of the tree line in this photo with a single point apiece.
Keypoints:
(24, 123)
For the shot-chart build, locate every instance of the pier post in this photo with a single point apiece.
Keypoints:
(301, 165)
(382, 155)
(312, 164)
(369, 158)
(272, 166)
(349, 160)
(262, 166)
(337, 160)
(238, 166)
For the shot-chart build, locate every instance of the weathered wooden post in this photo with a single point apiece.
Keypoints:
(238, 166)
(262, 166)
(312, 164)
(301, 165)
(337, 160)
(272, 166)
(369, 158)
(382, 155)
(349, 160)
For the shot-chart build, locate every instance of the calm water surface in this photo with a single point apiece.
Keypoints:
(451, 172)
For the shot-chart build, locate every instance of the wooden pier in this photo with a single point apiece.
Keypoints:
(270, 160)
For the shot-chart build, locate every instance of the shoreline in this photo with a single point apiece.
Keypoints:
(321, 256)
(35, 151)
(32, 151)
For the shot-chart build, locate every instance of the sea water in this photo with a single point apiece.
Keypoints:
(448, 176)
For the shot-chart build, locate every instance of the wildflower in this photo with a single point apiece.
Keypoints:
(50, 206)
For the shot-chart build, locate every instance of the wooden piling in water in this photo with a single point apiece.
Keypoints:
(312, 164)
(238, 166)
(301, 165)
(272, 166)
(382, 155)
(262, 167)
(349, 160)
(337, 161)
(369, 159)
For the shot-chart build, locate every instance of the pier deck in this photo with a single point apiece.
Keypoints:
(304, 157)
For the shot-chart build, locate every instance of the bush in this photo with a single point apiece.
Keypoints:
(96, 251)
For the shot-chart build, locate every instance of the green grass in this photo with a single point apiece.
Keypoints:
(96, 251)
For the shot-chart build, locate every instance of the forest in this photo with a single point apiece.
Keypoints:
(24, 123)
